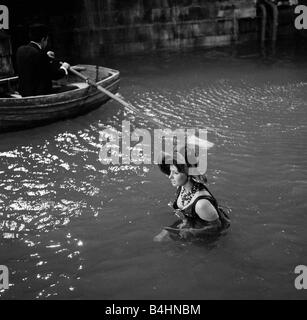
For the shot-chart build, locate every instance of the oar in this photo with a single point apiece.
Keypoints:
(122, 102)
(100, 88)
(128, 106)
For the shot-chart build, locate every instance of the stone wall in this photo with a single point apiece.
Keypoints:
(103, 27)
(90, 28)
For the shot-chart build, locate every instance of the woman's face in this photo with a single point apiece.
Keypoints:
(177, 178)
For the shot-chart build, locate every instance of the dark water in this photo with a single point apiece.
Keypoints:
(73, 228)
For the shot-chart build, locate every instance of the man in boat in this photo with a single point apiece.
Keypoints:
(36, 67)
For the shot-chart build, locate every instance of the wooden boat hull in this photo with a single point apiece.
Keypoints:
(22, 113)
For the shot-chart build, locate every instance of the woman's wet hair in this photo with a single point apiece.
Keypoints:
(166, 167)
(167, 161)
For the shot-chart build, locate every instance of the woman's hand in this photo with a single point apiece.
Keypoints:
(162, 236)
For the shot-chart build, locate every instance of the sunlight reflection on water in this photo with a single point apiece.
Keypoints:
(71, 227)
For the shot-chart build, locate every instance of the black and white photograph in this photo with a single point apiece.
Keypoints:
(153, 153)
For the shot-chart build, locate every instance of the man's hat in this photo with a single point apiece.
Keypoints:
(38, 31)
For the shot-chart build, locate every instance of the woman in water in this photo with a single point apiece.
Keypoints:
(198, 210)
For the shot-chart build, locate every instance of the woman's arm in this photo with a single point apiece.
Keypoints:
(213, 228)
(206, 211)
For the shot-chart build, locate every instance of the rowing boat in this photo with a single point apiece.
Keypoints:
(17, 113)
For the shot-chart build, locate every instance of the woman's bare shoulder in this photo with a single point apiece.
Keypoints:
(205, 210)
